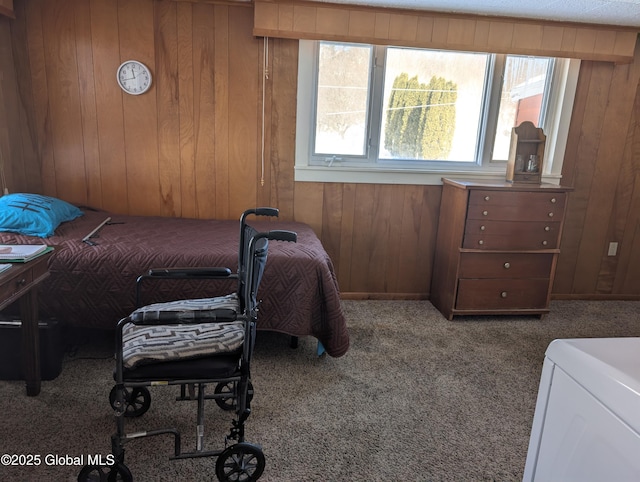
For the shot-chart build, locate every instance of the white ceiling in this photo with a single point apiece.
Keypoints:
(608, 12)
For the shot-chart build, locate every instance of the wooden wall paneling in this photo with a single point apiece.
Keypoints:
(360, 26)
(16, 119)
(309, 203)
(10, 145)
(343, 263)
(204, 109)
(264, 133)
(616, 118)
(594, 90)
(87, 93)
(628, 276)
(168, 100)
(396, 233)
(265, 123)
(362, 240)
(627, 229)
(419, 228)
(552, 37)
(453, 31)
(501, 35)
(59, 37)
(244, 99)
(40, 93)
(109, 106)
(370, 238)
(223, 23)
(462, 31)
(563, 280)
(440, 32)
(331, 220)
(184, 20)
(136, 35)
(31, 163)
(283, 80)
(380, 252)
(621, 215)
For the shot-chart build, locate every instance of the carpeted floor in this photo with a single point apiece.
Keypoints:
(416, 398)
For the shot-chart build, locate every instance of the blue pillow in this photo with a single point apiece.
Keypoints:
(34, 214)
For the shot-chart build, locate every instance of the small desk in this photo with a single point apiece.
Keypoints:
(20, 283)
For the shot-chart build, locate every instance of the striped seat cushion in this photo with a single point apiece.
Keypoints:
(158, 343)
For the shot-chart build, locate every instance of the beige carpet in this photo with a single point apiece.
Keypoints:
(417, 398)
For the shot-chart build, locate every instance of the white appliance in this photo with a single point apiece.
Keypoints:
(586, 425)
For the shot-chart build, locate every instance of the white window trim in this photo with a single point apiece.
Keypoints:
(560, 110)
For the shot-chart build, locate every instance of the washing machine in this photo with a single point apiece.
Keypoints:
(586, 425)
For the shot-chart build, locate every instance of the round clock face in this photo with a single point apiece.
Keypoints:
(134, 77)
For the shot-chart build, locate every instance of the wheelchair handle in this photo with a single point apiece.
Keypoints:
(280, 235)
(265, 211)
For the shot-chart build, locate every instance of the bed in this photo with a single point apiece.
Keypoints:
(93, 285)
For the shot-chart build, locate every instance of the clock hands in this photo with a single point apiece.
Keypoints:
(133, 73)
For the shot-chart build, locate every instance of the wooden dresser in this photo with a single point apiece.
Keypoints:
(497, 247)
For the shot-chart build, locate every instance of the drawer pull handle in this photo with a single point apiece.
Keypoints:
(544, 243)
(507, 265)
(485, 213)
(21, 282)
(547, 228)
(486, 198)
(553, 200)
(481, 242)
(482, 228)
(550, 215)
(503, 294)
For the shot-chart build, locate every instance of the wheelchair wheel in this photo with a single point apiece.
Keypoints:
(242, 462)
(229, 403)
(137, 401)
(98, 473)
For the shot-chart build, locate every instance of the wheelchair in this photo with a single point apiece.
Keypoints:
(194, 343)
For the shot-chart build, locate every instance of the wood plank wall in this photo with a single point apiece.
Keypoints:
(191, 147)
(187, 148)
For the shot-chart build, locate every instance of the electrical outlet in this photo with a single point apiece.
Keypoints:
(613, 249)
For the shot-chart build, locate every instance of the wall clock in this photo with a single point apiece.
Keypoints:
(134, 77)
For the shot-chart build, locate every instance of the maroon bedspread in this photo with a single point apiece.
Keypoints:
(94, 286)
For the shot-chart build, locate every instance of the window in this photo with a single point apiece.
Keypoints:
(404, 115)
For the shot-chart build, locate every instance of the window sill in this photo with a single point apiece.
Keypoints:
(338, 174)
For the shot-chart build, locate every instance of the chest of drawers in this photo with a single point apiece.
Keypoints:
(497, 247)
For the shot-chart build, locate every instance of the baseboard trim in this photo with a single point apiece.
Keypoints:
(595, 297)
(356, 295)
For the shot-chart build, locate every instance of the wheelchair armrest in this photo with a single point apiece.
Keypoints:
(196, 273)
(170, 317)
(204, 272)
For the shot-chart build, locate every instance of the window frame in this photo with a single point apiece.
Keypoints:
(558, 115)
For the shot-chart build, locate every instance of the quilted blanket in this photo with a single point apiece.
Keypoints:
(94, 285)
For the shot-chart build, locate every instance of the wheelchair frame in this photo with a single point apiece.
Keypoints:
(131, 398)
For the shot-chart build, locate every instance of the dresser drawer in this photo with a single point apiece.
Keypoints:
(15, 283)
(505, 265)
(525, 235)
(502, 294)
(516, 206)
